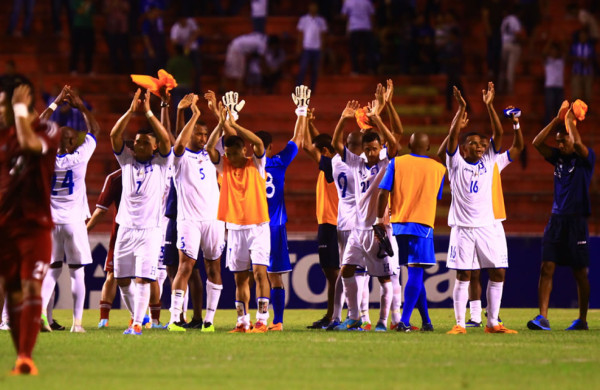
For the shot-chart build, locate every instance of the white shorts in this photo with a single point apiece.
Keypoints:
(71, 240)
(235, 64)
(208, 235)
(477, 248)
(342, 237)
(137, 252)
(394, 260)
(361, 251)
(248, 247)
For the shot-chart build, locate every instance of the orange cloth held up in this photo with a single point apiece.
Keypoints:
(154, 85)
(580, 109)
(362, 119)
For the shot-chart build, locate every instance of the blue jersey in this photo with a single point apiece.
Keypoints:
(572, 177)
(276, 167)
(171, 207)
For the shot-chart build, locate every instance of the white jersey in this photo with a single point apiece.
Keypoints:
(197, 186)
(143, 189)
(366, 185)
(345, 185)
(68, 200)
(471, 186)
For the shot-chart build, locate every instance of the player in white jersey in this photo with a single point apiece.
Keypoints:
(69, 206)
(475, 237)
(197, 224)
(362, 248)
(144, 176)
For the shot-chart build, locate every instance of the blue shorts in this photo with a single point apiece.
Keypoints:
(279, 260)
(415, 250)
(566, 241)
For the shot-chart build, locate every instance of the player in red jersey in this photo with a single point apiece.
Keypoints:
(27, 155)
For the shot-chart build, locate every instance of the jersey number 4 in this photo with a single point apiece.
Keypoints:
(66, 183)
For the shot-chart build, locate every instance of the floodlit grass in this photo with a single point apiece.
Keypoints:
(299, 358)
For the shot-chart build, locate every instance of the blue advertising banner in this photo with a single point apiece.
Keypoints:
(306, 287)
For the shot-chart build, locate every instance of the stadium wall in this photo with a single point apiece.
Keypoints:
(305, 285)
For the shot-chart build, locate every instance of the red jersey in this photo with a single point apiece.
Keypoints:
(111, 193)
(25, 177)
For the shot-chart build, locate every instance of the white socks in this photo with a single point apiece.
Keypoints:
(127, 293)
(213, 293)
(460, 295)
(177, 300)
(494, 298)
(351, 290)
(386, 293)
(338, 299)
(396, 298)
(140, 302)
(475, 310)
(48, 286)
(78, 292)
(364, 299)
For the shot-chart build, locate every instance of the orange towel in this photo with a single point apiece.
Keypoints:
(362, 119)
(580, 109)
(154, 85)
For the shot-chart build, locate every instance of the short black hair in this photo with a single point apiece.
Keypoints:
(265, 137)
(561, 128)
(200, 122)
(146, 131)
(8, 84)
(469, 134)
(323, 141)
(371, 136)
(234, 141)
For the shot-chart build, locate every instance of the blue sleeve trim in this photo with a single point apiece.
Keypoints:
(439, 196)
(453, 153)
(218, 161)
(387, 183)
(263, 155)
(344, 156)
(178, 155)
(508, 155)
(166, 155)
(121, 151)
(93, 137)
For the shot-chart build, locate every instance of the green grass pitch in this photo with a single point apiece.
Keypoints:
(299, 358)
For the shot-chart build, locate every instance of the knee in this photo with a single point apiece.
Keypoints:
(547, 270)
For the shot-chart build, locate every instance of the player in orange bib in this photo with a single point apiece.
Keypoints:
(243, 207)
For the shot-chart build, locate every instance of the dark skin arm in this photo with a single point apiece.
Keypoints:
(338, 135)
(116, 134)
(307, 145)
(215, 135)
(455, 127)
(60, 99)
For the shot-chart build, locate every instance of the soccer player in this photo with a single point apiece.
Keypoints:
(276, 166)
(26, 165)
(111, 194)
(474, 235)
(197, 225)
(243, 207)
(144, 176)
(362, 249)
(70, 209)
(414, 182)
(566, 237)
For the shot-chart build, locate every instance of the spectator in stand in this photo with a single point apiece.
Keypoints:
(312, 28)
(511, 31)
(554, 84)
(153, 35)
(181, 68)
(583, 56)
(254, 73)
(57, 6)
(423, 46)
(82, 34)
(274, 60)
(235, 58)
(186, 33)
(117, 38)
(27, 5)
(450, 56)
(259, 10)
(491, 15)
(360, 30)
(588, 21)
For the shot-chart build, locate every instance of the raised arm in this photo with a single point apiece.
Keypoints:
(116, 134)
(388, 137)
(518, 143)
(165, 118)
(463, 122)
(162, 136)
(215, 135)
(338, 135)
(257, 144)
(60, 99)
(301, 98)
(571, 124)
(395, 122)
(183, 104)
(539, 142)
(455, 126)
(75, 101)
(488, 99)
(28, 140)
(184, 137)
(307, 145)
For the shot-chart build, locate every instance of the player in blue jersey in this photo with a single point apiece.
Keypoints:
(276, 167)
(566, 237)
